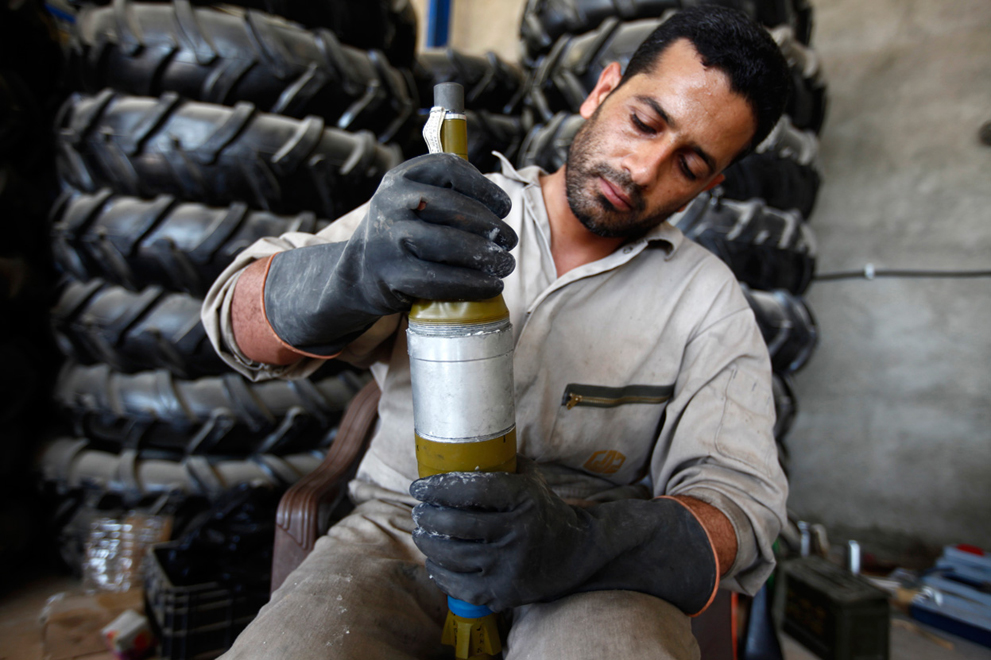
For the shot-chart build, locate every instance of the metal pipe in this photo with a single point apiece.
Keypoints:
(438, 23)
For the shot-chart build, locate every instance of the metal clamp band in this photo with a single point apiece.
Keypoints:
(431, 130)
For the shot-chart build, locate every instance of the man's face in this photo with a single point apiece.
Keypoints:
(650, 146)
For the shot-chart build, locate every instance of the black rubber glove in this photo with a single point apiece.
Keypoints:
(504, 540)
(433, 230)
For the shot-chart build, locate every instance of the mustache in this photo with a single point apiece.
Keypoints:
(622, 180)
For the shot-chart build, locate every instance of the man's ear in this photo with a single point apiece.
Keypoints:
(608, 81)
(719, 178)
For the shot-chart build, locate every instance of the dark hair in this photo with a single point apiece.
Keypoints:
(732, 42)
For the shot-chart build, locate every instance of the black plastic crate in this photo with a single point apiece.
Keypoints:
(198, 621)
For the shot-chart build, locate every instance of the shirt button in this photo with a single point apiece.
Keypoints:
(628, 249)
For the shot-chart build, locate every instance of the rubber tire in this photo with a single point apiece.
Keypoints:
(808, 102)
(490, 82)
(98, 322)
(546, 145)
(785, 408)
(804, 20)
(787, 141)
(780, 182)
(490, 132)
(136, 242)
(216, 155)
(787, 325)
(783, 171)
(83, 484)
(402, 37)
(774, 13)
(544, 21)
(206, 55)
(386, 25)
(72, 463)
(570, 71)
(217, 415)
(764, 247)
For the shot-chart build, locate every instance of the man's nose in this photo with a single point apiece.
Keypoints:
(646, 162)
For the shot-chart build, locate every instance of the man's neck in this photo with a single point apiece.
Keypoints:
(572, 245)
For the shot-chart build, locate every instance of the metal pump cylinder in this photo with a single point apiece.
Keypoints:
(461, 366)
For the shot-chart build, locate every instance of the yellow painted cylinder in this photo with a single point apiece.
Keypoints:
(454, 135)
(494, 455)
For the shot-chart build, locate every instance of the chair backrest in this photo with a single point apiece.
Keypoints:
(298, 522)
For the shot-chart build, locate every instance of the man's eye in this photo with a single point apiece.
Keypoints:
(687, 170)
(641, 126)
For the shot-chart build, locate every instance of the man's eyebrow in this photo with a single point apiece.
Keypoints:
(656, 107)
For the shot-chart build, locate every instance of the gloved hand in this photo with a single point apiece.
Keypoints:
(504, 540)
(433, 230)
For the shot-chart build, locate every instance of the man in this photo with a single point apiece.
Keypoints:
(606, 298)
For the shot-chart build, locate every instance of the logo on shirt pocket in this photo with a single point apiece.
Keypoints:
(605, 462)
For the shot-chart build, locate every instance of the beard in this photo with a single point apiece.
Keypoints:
(590, 206)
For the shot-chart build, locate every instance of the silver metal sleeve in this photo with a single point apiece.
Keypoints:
(462, 384)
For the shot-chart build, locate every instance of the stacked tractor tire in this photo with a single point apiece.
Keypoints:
(192, 131)
(756, 221)
(31, 63)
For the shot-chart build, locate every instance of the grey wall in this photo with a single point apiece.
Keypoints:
(893, 440)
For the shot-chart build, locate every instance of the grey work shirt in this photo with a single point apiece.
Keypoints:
(644, 367)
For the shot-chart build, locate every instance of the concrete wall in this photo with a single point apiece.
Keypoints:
(893, 440)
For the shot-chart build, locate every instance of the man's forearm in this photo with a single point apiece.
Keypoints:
(252, 332)
(719, 528)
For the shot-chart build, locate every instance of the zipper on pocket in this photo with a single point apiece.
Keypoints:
(598, 396)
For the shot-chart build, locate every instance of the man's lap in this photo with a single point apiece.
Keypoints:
(364, 593)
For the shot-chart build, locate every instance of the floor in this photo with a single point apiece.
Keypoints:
(20, 631)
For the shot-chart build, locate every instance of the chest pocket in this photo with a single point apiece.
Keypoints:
(598, 396)
(609, 431)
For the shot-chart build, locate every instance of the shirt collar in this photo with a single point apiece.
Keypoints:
(666, 232)
(529, 174)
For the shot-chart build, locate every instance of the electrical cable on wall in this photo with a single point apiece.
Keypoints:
(869, 272)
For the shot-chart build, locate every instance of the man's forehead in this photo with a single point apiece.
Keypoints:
(681, 62)
(684, 91)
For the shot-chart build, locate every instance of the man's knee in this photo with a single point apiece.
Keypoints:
(362, 593)
(600, 625)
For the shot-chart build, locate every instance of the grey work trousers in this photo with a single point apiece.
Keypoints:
(364, 594)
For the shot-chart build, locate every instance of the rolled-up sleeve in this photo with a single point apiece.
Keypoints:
(216, 310)
(717, 442)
